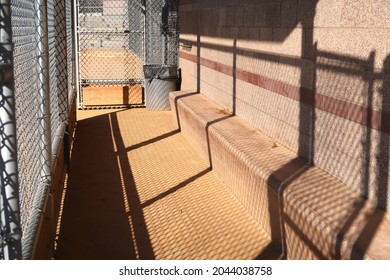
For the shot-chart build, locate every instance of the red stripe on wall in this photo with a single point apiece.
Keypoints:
(188, 56)
(359, 114)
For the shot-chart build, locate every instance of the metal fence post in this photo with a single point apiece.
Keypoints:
(143, 10)
(10, 231)
(41, 35)
(76, 50)
(70, 51)
(76, 53)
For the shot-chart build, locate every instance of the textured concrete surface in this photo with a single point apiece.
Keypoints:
(337, 49)
(312, 213)
(138, 190)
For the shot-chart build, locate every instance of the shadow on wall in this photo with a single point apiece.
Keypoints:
(343, 123)
(382, 156)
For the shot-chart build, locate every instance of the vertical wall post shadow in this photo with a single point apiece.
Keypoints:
(10, 230)
(368, 77)
(383, 151)
(306, 138)
(307, 98)
(198, 61)
(382, 157)
(234, 74)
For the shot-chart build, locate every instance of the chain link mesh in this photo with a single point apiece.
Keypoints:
(117, 37)
(60, 60)
(162, 31)
(26, 88)
(58, 63)
(30, 141)
(54, 83)
(111, 44)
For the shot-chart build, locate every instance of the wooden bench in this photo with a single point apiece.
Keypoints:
(308, 213)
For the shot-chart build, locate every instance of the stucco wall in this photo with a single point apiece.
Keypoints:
(314, 75)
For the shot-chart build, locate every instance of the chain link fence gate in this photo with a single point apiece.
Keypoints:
(118, 37)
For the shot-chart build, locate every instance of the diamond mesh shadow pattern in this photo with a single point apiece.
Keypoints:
(137, 190)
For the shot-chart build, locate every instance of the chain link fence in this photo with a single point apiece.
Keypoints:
(26, 103)
(39, 66)
(162, 32)
(118, 37)
(41, 93)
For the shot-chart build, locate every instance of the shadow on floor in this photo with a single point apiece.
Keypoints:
(136, 190)
(94, 221)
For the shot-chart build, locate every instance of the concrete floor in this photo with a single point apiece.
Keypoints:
(137, 190)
